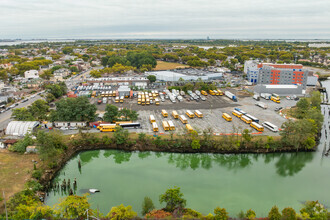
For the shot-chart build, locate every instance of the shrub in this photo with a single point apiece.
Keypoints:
(37, 174)
(289, 214)
(147, 205)
(250, 214)
(158, 214)
(173, 198)
(274, 214)
(220, 214)
(21, 145)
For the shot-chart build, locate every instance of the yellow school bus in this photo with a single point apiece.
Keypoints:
(227, 117)
(143, 101)
(198, 114)
(183, 119)
(220, 92)
(166, 126)
(275, 99)
(175, 115)
(216, 92)
(121, 99)
(117, 99)
(108, 128)
(171, 124)
(204, 92)
(164, 113)
(154, 127)
(156, 101)
(211, 92)
(152, 119)
(256, 126)
(247, 120)
(189, 128)
(190, 114)
(237, 113)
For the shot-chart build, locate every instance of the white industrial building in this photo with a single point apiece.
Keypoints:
(175, 76)
(21, 128)
(251, 70)
(31, 74)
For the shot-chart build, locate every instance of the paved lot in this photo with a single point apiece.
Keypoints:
(212, 110)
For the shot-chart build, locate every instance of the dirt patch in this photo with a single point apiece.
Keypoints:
(161, 65)
(15, 170)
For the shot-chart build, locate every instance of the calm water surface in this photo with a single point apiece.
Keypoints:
(235, 182)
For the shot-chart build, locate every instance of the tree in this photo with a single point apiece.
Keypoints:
(137, 59)
(111, 113)
(274, 214)
(95, 73)
(58, 90)
(151, 78)
(314, 210)
(289, 214)
(22, 114)
(47, 74)
(74, 109)
(250, 214)
(316, 99)
(50, 97)
(21, 145)
(220, 214)
(39, 109)
(121, 212)
(121, 135)
(127, 113)
(302, 107)
(246, 135)
(147, 205)
(50, 145)
(73, 207)
(67, 50)
(3, 75)
(173, 198)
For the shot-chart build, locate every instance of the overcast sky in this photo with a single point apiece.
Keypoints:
(251, 19)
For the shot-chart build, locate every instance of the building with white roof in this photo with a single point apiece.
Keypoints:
(20, 128)
(31, 74)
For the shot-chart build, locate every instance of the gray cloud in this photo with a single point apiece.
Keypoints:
(165, 19)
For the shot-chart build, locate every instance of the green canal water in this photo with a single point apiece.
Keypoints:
(235, 182)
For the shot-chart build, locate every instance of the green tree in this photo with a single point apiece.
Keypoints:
(3, 75)
(316, 115)
(274, 214)
(250, 214)
(302, 107)
(74, 109)
(121, 135)
(39, 109)
(58, 90)
(128, 114)
(246, 135)
(137, 59)
(22, 114)
(50, 145)
(151, 78)
(95, 73)
(50, 97)
(67, 50)
(74, 207)
(220, 214)
(289, 214)
(147, 205)
(316, 99)
(111, 113)
(121, 212)
(21, 145)
(47, 74)
(173, 198)
(314, 210)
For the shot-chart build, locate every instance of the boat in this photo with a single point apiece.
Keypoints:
(93, 190)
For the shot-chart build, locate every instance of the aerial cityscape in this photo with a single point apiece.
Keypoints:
(164, 109)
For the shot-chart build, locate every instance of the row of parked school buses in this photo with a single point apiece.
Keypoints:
(213, 92)
(169, 125)
(145, 98)
(253, 121)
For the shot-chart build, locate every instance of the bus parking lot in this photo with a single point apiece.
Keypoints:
(212, 110)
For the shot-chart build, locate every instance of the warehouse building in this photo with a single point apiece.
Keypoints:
(186, 75)
(124, 91)
(21, 128)
(282, 90)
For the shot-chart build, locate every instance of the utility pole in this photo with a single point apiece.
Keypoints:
(4, 199)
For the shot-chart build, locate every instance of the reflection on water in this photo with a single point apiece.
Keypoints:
(287, 164)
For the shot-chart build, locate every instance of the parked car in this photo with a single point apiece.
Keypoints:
(64, 128)
(278, 108)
